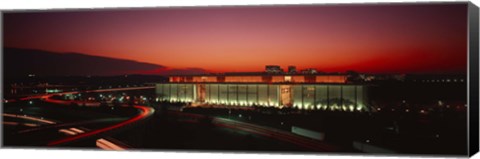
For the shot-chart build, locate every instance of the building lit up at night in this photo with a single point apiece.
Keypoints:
(312, 92)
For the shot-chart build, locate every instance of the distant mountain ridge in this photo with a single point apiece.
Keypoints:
(21, 62)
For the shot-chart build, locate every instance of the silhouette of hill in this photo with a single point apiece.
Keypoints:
(22, 62)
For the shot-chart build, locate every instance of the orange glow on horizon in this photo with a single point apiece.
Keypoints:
(245, 39)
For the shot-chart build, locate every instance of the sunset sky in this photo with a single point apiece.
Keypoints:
(420, 38)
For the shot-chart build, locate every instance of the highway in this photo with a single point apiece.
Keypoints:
(102, 143)
(269, 132)
(75, 134)
(45, 96)
(145, 112)
(275, 133)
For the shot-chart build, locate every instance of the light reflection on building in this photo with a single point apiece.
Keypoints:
(312, 92)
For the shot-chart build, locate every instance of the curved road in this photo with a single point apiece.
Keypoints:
(145, 112)
(222, 122)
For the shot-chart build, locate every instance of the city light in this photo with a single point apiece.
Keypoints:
(359, 108)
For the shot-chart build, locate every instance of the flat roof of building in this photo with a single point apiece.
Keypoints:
(260, 74)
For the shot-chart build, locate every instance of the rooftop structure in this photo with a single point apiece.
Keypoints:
(273, 69)
(292, 69)
(260, 78)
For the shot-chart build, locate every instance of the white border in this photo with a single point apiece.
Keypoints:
(86, 154)
(69, 4)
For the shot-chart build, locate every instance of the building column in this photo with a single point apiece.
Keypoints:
(194, 92)
(170, 91)
(257, 95)
(246, 94)
(302, 93)
(178, 96)
(237, 94)
(228, 95)
(356, 102)
(341, 97)
(268, 94)
(328, 97)
(314, 96)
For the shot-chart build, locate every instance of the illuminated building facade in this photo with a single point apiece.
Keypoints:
(326, 92)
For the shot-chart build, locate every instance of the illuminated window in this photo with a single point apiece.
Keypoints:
(288, 78)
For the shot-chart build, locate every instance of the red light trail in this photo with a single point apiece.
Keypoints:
(145, 112)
